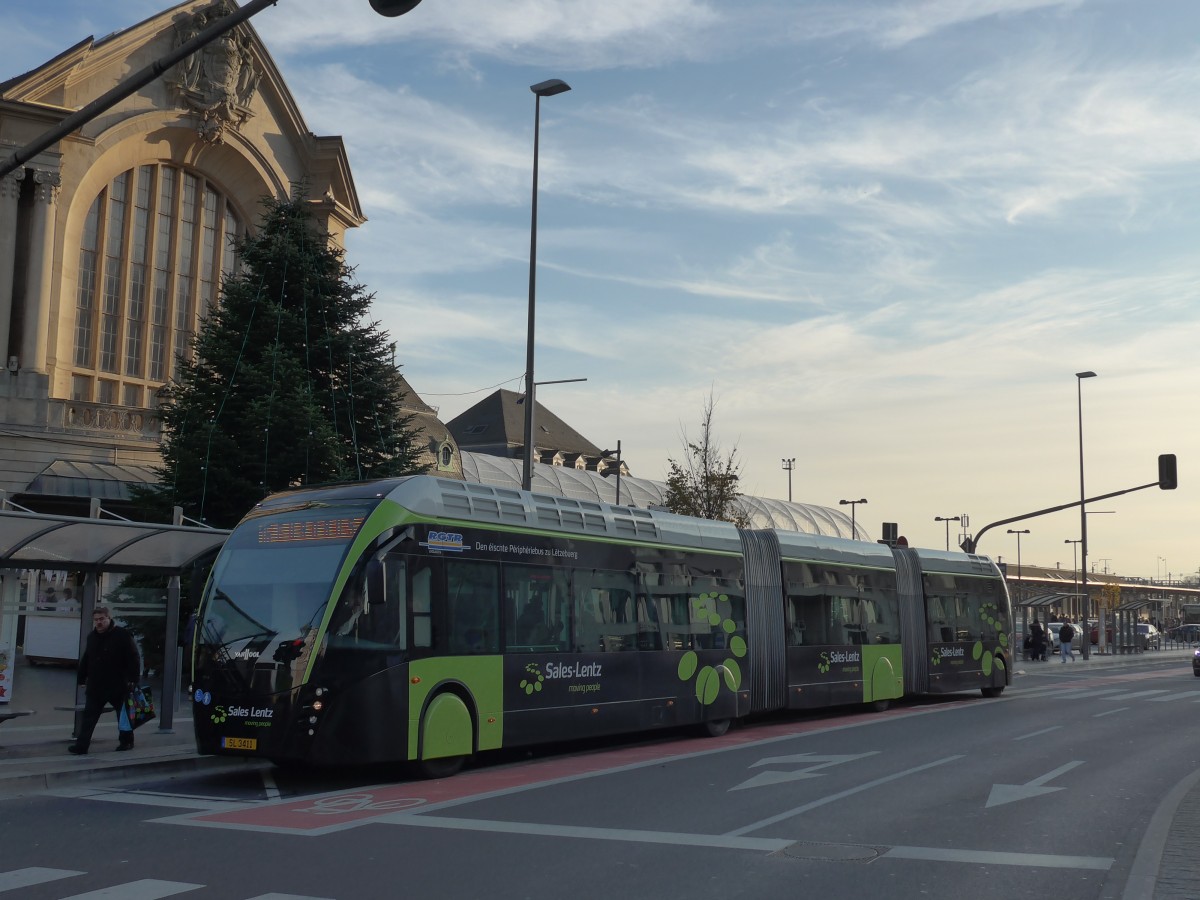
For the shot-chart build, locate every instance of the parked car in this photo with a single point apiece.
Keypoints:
(1196, 663)
(1185, 634)
(1148, 637)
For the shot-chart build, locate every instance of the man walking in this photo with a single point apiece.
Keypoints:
(1066, 634)
(110, 669)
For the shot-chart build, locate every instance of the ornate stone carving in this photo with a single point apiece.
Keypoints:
(219, 80)
(10, 184)
(46, 185)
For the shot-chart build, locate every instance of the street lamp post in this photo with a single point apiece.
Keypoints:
(788, 465)
(1087, 645)
(853, 504)
(619, 461)
(947, 520)
(1020, 585)
(1075, 567)
(540, 90)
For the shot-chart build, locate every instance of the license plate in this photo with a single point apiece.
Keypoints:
(239, 743)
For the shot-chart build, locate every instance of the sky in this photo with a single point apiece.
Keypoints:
(881, 236)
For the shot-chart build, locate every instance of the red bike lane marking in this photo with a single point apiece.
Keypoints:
(327, 812)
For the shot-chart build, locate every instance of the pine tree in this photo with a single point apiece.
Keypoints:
(288, 384)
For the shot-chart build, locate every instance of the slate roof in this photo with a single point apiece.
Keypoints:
(498, 421)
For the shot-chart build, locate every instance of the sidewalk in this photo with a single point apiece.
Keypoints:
(33, 749)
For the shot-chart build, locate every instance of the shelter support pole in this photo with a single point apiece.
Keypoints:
(171, 668)
(91, 584)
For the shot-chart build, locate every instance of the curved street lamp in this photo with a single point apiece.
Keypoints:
(540, 90)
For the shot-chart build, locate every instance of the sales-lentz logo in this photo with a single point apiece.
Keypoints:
(444, 540)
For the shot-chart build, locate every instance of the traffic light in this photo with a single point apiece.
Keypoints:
(1167, 479)
(393, 7)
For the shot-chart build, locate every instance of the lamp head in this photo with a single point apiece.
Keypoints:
(393, 8)
(542, 88)
(1085, 374)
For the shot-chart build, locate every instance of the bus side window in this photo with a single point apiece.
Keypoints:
(422, 608)
(473, 606)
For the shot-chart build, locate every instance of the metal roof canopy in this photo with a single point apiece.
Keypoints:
(1047, 599)
(37, 541)
(1138, 604)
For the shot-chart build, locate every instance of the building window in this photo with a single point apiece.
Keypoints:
(155, 245)
(81, 388)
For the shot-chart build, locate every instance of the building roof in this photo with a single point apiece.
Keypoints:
(498, 421)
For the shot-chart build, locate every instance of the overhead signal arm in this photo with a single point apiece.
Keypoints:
(1167, 481)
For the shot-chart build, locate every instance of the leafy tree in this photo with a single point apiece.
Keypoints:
(705, 484)
(288, 384)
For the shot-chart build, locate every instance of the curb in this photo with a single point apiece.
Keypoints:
(17, 784)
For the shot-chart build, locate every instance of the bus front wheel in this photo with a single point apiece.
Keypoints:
(992, 691)
(441, 767)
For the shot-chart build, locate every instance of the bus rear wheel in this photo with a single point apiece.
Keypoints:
(992, 691)
(715, 727)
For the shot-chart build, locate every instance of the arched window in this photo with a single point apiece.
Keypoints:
(155, 243)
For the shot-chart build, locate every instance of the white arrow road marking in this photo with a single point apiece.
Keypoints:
(815, 762)
(1008, 793)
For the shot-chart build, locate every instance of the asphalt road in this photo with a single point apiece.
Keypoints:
(1048, 790)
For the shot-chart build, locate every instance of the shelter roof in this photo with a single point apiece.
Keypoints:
(36, 541)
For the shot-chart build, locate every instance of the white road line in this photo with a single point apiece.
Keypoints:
(720, 841)
(799, 810)
(1110, 712)
(1179, 696)
(269, 786)
(1138, 694)
(997, 858)
(23, 878)
(1036, 733)
(286, 897)
(145, 889)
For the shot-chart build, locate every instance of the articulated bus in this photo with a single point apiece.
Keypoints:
(424, 620)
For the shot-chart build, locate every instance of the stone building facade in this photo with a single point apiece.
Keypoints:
(113, 241)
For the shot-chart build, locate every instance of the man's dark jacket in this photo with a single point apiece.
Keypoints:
(110, 662)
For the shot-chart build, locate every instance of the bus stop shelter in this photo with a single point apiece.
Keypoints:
(94, 547)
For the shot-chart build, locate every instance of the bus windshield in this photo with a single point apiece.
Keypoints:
(269, 590)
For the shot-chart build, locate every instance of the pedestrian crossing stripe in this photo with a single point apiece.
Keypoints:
(142, 889)
(33, 875)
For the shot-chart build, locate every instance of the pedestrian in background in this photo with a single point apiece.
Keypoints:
(1038, 635)
(109, 670)
(1066, 634)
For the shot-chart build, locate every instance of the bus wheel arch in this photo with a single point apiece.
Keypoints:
(449, 731)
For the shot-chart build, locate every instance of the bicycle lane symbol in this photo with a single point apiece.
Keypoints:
(313, 815)
(354, 803)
